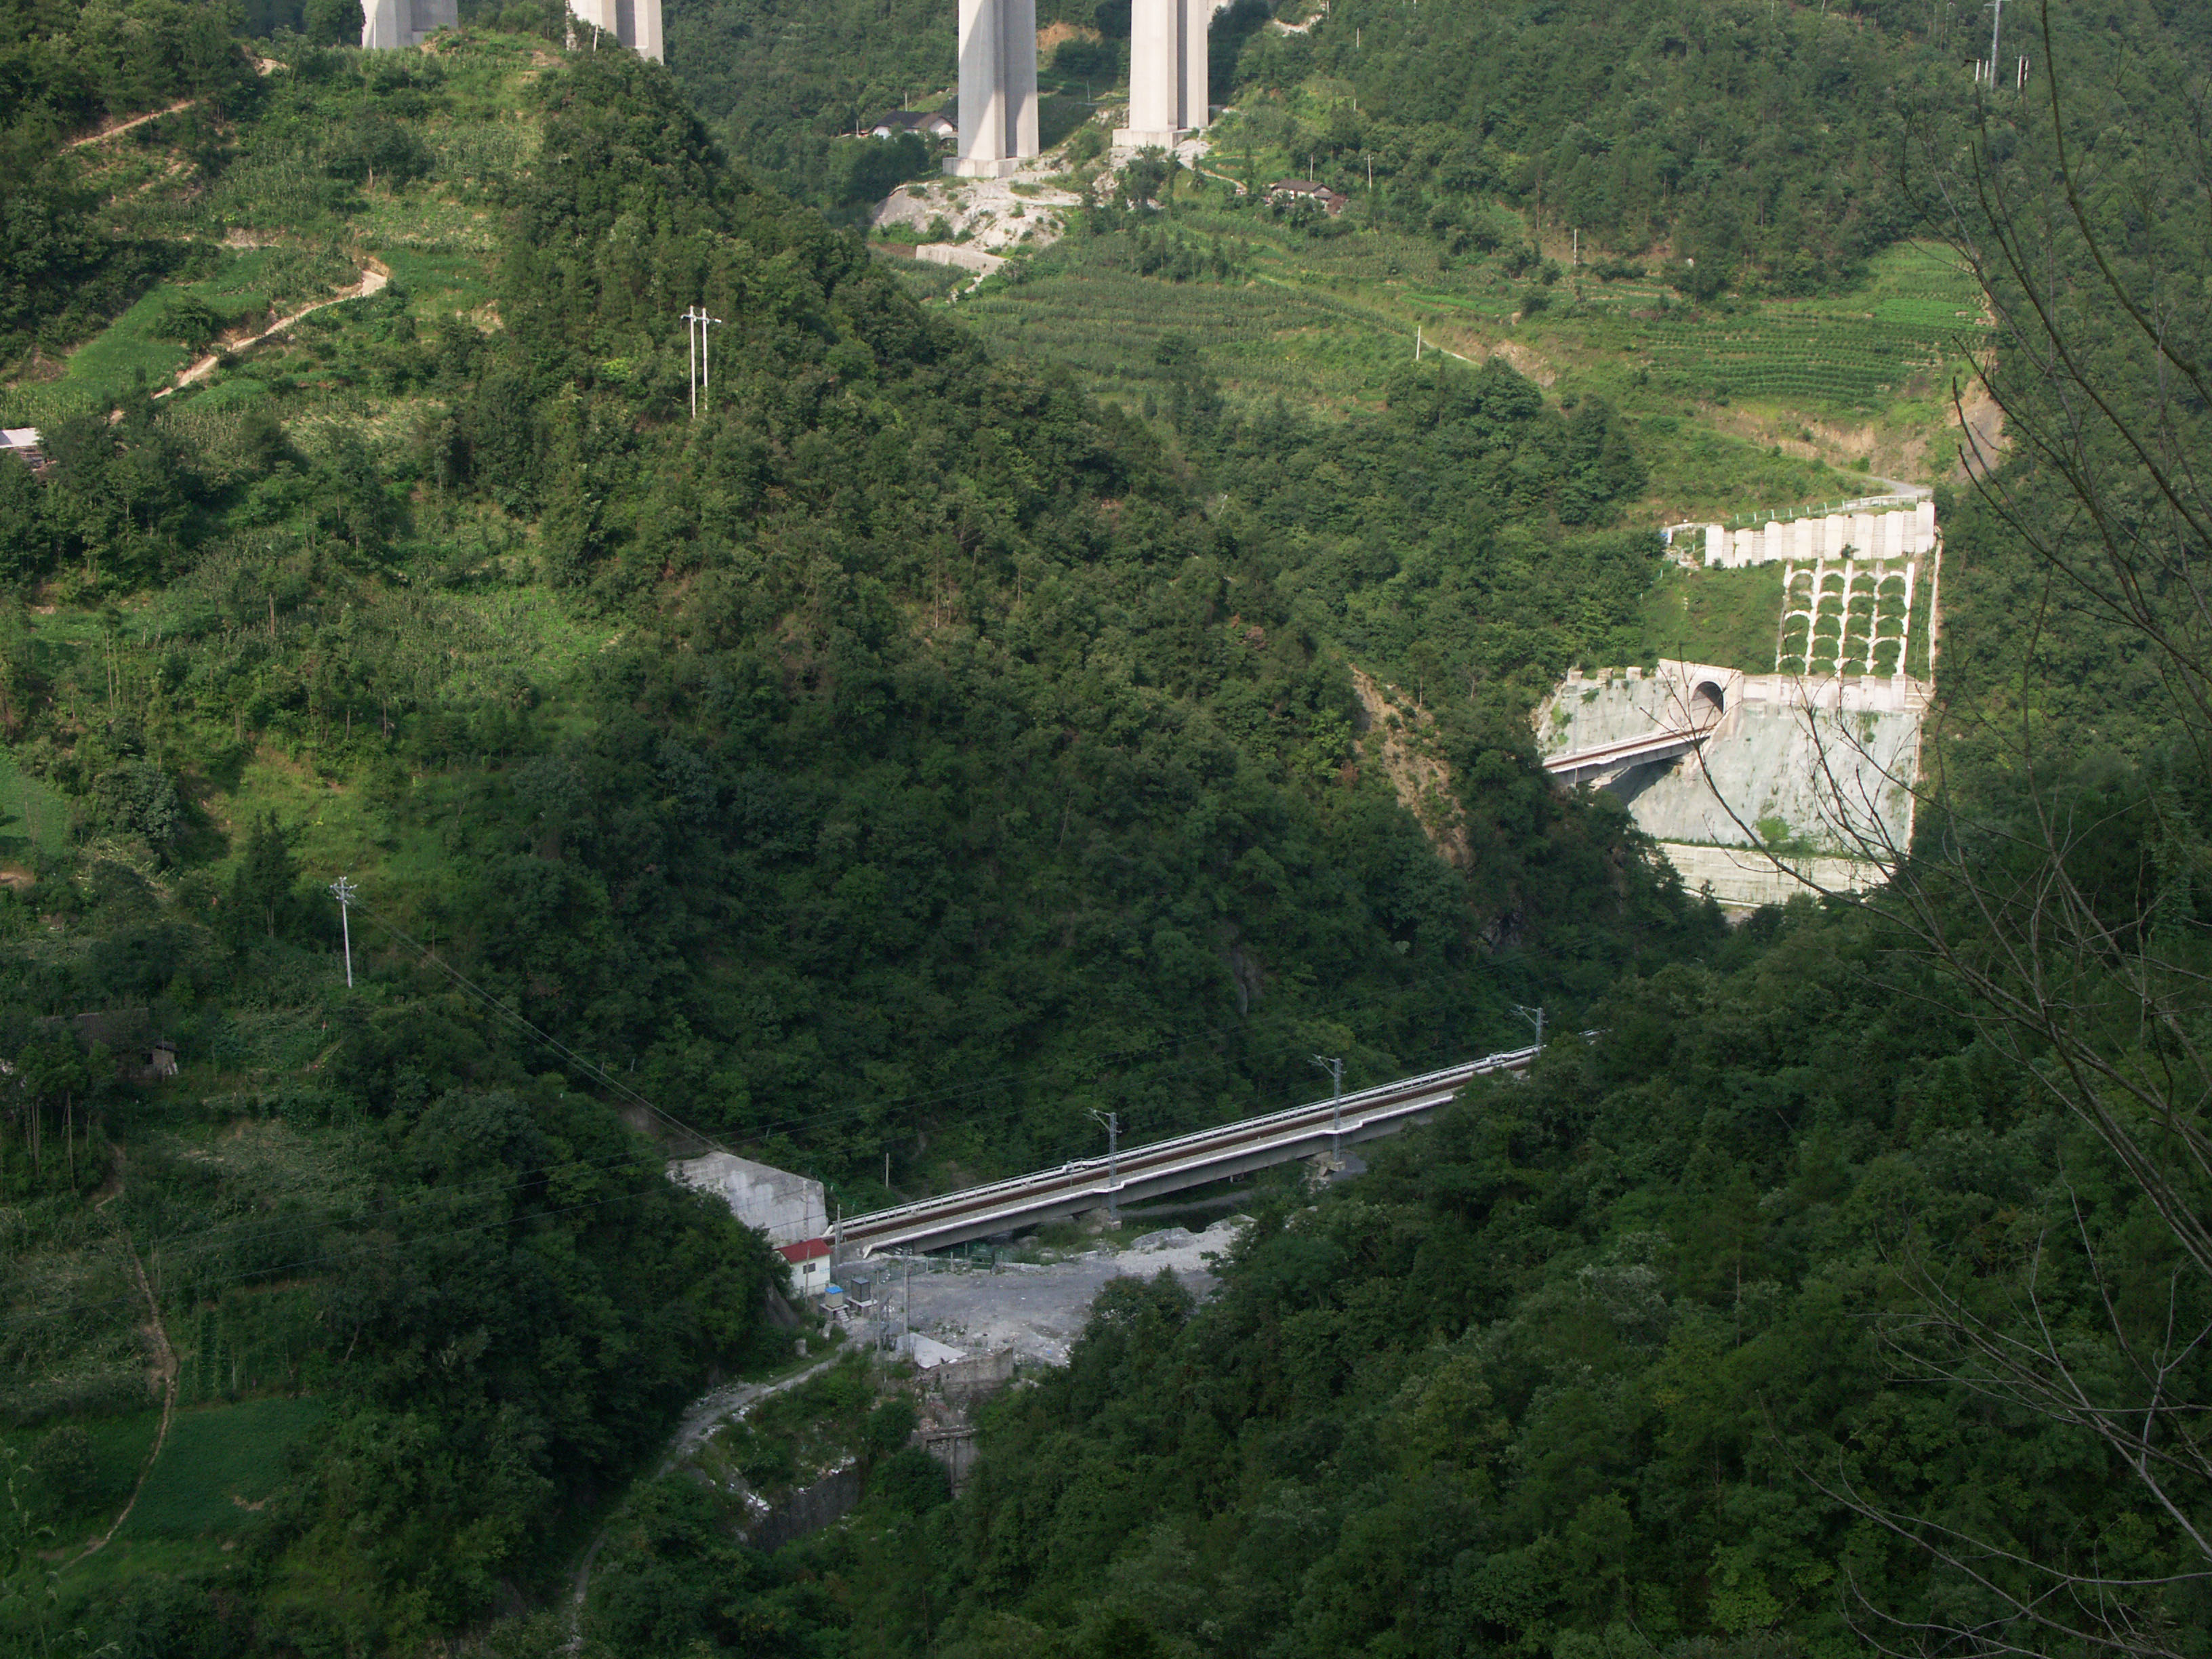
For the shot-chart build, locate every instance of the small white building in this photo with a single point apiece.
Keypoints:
(23, 442)
(810, 1265)
(929, 123)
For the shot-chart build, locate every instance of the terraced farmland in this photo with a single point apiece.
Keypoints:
(1856, 353)
(1261, 339)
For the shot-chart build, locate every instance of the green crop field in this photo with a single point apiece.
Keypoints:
(1725, 617)
(1320, 320)
(218, 1466)
(32, 817)
(120, 1445)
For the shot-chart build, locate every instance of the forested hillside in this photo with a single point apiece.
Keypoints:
(1659, 124)
(895, 758)
(1846, 1291)
(912, 753)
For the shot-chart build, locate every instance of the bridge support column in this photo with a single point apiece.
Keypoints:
(1168, 86)
(636, 23)
(998, 88)
(388, 24)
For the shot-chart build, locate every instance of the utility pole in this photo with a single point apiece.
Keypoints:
(1112, 1121)
(1336, 1069)
(1996, 23)
(691, 344)
(696, 322)
(1535, 1017)
(343, 890)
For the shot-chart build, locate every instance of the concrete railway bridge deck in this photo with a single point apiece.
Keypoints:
(1164, 1166)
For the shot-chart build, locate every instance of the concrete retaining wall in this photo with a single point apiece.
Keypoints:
(1905, 534)
(1743, 880)
(959, 255)
(1827, 762)
(788, 1207)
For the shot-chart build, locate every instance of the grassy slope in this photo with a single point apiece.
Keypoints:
(1742, 411)
(1319, 324)
(265, 244)
(269, 244)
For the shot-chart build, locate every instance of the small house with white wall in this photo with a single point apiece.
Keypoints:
(808, 1260)
(927, 123)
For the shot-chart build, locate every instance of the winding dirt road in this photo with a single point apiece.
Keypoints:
(106, 133)
(698, 1421)
(373, 277)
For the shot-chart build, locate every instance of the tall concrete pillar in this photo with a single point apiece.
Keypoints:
(634, 23)
(391, 25)
(1167, 88)
(998, 88)
(646, 38)
(379, 25)
(1197, 25)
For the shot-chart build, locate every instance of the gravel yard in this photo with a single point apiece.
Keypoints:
(1038, 1309)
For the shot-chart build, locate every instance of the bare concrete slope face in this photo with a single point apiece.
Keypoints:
(1759, 784)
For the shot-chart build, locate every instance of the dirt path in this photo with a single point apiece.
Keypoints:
(698, 1421)
(373, 277)
(165, 1367)
(106, 133)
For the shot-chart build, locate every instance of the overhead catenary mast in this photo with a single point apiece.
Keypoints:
(1334, 1068)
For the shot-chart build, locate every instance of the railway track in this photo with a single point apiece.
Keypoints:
(1164, 1166)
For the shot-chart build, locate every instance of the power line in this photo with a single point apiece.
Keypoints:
(253, 1232)
(243, 1233)
(544, 1037)
(395, 1249)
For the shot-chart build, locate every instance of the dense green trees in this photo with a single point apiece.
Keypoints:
(65, 65)
(941, 768)
(1571, 1372)
(930, 755)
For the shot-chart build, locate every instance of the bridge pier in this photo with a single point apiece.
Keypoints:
(387, 25)
(636, 23)
(1168, 86)
(998, 88)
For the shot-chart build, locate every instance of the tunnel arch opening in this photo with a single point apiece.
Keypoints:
(1708, 702)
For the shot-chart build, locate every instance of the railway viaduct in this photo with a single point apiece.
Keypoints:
(1164, 1166)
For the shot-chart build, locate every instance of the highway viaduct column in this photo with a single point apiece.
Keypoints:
(998, 88)
(1168, 87)
(387, 25)
(636, 23)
